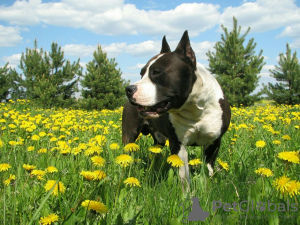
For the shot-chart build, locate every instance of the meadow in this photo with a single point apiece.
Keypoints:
(64, 166)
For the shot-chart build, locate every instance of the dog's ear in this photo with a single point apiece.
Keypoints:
(165, 46)
(184, 48)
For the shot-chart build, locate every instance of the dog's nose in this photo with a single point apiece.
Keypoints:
(130, 90)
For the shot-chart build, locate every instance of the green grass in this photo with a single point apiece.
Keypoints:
(160, 199)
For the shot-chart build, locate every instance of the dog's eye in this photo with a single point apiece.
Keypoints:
(155, 72)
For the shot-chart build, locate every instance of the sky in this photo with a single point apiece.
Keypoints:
(131, 30)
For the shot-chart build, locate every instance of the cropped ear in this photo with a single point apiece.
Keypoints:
(184, 48)
(165, 46)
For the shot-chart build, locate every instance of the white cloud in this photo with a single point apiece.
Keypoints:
(13, 60)
(80, 50)
(113, 17)
(265, 72)
(263, 15)
(9, 36)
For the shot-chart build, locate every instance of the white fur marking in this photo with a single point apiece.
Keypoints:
(184, 170)
(210, 170)
(146, 89)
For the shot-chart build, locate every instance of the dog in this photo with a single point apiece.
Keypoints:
(177, 99)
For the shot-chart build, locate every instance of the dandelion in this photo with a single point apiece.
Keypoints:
(1, 143)
(28, 167)
(4, 167)
(276, 142)
(294, 188)
(195, 162)
(155, 149)
(47, 220)
(30, 148)
(88, 175)
(42, 134)
(260, 144)
(175, 161)
(94, 205)
(51, 169)
(100, 139)
(224, 165)
(124, 160)
(11, 177)
(99, 175)
(292, 156)
(286, 137)
(35, 138)
(13, 143)
(38, 173)
(132, 181)
(282, 183)
(131, 147)
(264, 171)
(42, 150)
(53, 139)
(98, 161)
(59, 187)
(114, 146)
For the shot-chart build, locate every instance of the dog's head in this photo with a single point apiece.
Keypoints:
(167, 80)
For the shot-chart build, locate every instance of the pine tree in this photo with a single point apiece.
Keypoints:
(103, 87)
(9, 81)
(49, 79)
(236, 66)
(288, 74)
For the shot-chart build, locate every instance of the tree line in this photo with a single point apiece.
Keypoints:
(50, 80)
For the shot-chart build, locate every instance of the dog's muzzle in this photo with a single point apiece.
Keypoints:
(130, 90)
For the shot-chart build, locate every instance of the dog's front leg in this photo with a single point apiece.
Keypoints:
(184, 170)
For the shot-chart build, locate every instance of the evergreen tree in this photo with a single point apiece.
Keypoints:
(103, 87)
(288, 74)
(236, 66)
(9, 81)
(50, 80)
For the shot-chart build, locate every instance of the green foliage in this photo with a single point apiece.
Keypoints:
(103, 86)
(8, 83)
(50, 80)
(288, 74)
(236, 66)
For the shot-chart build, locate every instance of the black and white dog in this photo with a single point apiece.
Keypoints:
(180, 100)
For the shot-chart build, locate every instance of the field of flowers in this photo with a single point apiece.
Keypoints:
(64, 166)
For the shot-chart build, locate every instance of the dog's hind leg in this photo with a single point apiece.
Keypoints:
(184, 170)
(211, 153)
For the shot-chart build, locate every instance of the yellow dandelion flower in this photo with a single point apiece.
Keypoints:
(195, 162)
(114, 146)
(99, 175)
(131, 147)
(132, 181)
(94, 205)
(224, 165)
(38, 173)
(51, 169)
(292, 156)
(282, 183)
(276, 142)
(28, 167)
(294, 188)
(260, 144)
(11, 177)
(53, 139)
(47, 220)
(100, 139)
(286, 137)
(13, 143)
(167, 143)
(88, 175)
(98, 161)
(30, 148)
(42, 134)
(1, 143)
(42, 150)
(59, 187)
(175, 161)
(155, 149)
(264, 171)
(4, 167)
(35, 137)
(124, 160)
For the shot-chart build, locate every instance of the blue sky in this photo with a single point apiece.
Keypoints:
(131, 30)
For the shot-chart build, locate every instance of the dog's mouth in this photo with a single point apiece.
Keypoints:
(154, 111)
